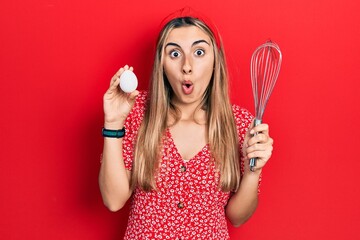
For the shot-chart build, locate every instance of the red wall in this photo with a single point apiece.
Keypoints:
(56, 59)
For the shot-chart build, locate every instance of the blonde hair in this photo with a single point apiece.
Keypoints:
(222, 133)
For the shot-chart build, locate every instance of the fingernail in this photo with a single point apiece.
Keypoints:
(252, 131)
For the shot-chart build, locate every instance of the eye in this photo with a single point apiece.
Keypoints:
(199, 52)
(175, 54)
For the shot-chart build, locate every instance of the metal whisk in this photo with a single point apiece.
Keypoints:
(264, 68)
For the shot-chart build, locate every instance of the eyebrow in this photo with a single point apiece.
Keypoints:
(194, 43)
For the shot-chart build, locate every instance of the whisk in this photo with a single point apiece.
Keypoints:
(264, 68)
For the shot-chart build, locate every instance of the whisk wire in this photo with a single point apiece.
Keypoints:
(264, 70)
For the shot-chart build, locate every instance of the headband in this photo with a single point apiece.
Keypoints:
(189, 12)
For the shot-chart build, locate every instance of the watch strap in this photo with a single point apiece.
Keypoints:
(113, 133)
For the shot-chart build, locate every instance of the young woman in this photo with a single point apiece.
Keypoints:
(185, 154)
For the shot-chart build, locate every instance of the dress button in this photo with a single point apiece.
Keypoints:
(183, 168)
(180, 205)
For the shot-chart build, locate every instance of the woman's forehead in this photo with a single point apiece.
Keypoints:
(187, 34)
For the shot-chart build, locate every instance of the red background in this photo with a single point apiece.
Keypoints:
(56, 60)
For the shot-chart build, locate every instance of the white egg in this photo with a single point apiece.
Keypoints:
(128, 81)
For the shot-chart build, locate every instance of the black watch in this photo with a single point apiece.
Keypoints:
(113, 133)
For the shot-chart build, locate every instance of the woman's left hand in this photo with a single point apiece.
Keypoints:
(258, 146)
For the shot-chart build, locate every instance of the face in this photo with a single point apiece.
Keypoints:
(188, 63)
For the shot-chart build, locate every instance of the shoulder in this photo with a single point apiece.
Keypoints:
(138, 109)
(137, 113)
(243, 119)
(241, 115)
(132, 124)
(141, 99)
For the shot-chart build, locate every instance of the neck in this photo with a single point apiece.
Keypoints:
(191, 113)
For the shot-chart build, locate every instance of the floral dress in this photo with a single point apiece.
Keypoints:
(188, 203)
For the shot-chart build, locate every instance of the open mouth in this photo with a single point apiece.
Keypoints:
(187, 87)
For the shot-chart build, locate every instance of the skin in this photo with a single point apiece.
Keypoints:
(189, 56)
(243, 203)
(114, 179)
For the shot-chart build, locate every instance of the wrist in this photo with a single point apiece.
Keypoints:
(119, 133)
(255, 173)
(114, 125)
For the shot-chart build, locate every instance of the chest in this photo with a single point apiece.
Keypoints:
(188, 139)
(194, 178)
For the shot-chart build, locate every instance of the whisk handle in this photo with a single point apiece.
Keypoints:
(253, 160)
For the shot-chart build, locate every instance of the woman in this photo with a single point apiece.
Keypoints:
(185, 154)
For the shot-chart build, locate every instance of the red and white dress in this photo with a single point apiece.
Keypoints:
(188, 203)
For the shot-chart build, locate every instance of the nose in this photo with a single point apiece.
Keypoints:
(187, 69)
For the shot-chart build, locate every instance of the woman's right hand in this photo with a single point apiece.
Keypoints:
(117, 104)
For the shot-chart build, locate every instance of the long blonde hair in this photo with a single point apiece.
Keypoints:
(222, 133)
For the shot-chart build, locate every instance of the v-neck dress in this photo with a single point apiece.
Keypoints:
(188, 203)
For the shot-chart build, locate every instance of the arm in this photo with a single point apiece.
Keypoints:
(114, 179)
(244, 202)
